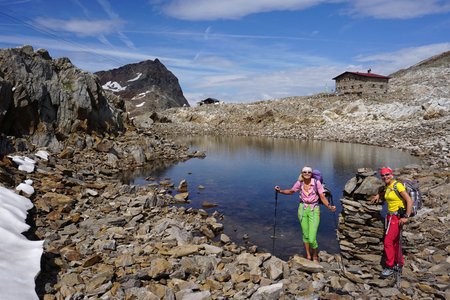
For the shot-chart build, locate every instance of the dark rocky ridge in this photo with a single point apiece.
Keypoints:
(41, 95)
(145, 86)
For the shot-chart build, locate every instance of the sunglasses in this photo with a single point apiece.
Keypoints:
(385, 175)
(306, 172)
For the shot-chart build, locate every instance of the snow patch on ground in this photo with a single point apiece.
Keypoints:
(20, 258)
(25, 164)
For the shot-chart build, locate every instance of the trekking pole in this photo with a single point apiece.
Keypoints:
(334, 213)
(399, 255)
(274, 222)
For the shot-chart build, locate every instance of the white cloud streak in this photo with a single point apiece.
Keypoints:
(114, 16)
(110, 56)
(237, 85)
(390, 62)
(231, 9)
(398, 9)
(195, 10)
(79, 27)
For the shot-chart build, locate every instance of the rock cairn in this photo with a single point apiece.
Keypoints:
(361, 226)
(425, 238)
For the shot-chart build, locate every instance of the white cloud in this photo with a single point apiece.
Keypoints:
(98, 55)
(80, 27)
(252, 86)
(234, 9)
(389, 62)
(231, 9)
(114, 16)
(213, 61)
(207, 31)
(239, 85)
(398, 9)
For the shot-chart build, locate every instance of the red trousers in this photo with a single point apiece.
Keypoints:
(392, 244)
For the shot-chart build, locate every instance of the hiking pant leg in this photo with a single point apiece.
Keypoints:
(309, 221)
(314, 227)
(391, 241)
(303, 218)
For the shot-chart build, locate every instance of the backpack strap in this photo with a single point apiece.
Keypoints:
(316, 188)
(396, 190)
(398, 194)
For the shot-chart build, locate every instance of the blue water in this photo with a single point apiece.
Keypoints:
(239, 175)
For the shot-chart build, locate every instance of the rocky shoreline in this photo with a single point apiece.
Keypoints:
(105, 239)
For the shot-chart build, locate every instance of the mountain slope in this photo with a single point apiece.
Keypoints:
(145, 86)
(437, 61)
(426, 80)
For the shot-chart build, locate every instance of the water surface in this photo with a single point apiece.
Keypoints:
(239, 174)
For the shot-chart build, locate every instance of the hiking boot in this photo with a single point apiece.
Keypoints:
(387, 272)
(398, 268)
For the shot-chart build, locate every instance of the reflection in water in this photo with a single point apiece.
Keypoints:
(239, 174)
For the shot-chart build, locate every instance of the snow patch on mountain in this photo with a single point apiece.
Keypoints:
(113, 86)
(135, 78)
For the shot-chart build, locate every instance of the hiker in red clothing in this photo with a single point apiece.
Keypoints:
(397, 215)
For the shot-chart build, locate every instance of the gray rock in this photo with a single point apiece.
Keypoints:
(306, 265)
(274, 267)
(182, 186)
(140, 293)
(270, 292)
(250, 260)
(369, 186)
(388, 292)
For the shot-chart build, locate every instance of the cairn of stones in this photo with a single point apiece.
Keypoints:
(361, 226)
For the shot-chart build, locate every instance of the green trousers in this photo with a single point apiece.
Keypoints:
(309, 220)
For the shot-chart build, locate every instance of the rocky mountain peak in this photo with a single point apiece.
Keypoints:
(41, 95)
(145, 86)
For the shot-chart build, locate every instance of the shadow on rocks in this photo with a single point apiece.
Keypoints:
(47, 277)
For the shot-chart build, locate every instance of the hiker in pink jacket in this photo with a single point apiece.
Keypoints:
(309, 190)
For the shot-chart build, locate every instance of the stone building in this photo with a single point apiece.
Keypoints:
(361, 83)
(209, 101)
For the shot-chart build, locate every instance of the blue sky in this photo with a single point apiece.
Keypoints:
(235, 50)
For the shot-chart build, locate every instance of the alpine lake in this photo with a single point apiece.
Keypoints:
(238, 174)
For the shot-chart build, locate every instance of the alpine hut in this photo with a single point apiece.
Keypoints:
(361, 83)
